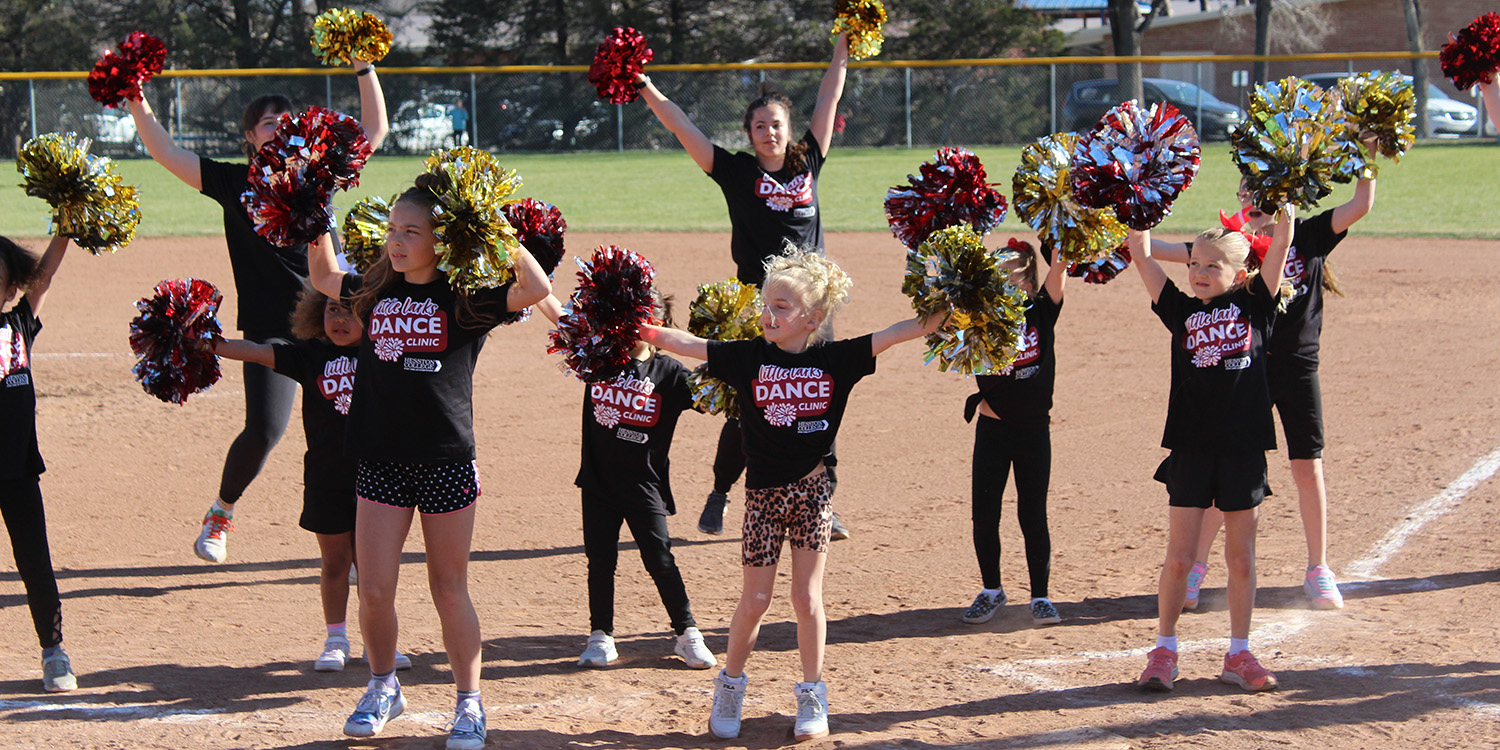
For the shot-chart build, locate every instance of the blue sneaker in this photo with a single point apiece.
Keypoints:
(377, 706)
(467, 730)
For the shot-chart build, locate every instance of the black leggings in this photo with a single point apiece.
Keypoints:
(601, 545)
(998, 447)
(729, 460)
(268, 408)
(21, 505)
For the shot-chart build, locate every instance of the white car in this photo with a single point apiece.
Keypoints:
(419, 127)
(1446, 116)
(113, 130)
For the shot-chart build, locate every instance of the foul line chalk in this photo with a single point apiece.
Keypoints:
(1432, 509)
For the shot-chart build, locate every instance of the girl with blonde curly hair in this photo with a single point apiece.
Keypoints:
(793, 384)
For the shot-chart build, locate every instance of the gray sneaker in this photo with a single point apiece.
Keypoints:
(984, 607)
(838, 531)
(467, 730)
(57, 673)
(377, 706)
(712, 519)
(1043, 613)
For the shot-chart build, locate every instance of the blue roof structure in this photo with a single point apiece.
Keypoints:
(1072, 6)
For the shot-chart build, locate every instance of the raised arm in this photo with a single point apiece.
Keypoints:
(1490, 92)
(36, 294)
(1154, 278)
(531, 284)
(550, 307)
(371, 104)
(323, 269)
(1172, 252)
(674, 119)
(245, 351)
(829, 93)
(906, 330)
(675, 341)
(1364, 199)
(1057, 277)
(182, 163)
(1281, 242)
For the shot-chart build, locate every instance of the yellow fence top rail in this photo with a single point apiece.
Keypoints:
(964, 63)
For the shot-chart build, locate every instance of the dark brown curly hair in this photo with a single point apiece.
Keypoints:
(307, 316)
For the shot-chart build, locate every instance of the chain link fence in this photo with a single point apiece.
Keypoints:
(559, 111)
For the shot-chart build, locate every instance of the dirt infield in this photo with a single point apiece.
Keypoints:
(176, 653)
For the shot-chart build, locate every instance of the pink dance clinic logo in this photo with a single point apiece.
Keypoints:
(786, 394)
(12, 352)
(780, 197)
(398, 326)
(1213, 335)
(626, 400)
(1031, 350)
(337, 382)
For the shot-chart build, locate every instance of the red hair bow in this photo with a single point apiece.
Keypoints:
(1259, 243)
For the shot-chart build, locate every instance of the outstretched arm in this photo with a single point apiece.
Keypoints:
(323, 270)
(906, 330)
(182, 163)
(550, 307)
(675, 341)
(1172, 252)
(1154, 278)
(829, 93)
(1364, 199)
(1281, 242)
(674, 119)
(371, 104)
(37, 292)
(531, 284)
(245, 351)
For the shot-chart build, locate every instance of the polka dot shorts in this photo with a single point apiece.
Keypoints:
(430, 488)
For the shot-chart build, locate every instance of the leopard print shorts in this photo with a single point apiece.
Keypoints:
(800, 512)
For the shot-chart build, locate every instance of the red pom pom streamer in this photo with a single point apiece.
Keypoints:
(1103, 270)
(605, 314)
(620, 57)
(293, 176)
(1136, 160)
(951, 191)
(540, 228)
(118, 75)
(1474, 54)
(169, 337)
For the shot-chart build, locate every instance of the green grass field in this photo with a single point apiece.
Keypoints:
(1434, 192)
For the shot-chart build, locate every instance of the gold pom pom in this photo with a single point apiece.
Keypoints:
(364, 231)
(477, 241)
(1043, 197)
(1293, 144)
(862, 21)
(1382, 106)
(726, 311)
(90, 204)
(341, 36)
(953, 273)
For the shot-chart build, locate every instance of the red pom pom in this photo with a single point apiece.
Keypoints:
(118, 75)
(603, 323)
(1105, 269)
(169, 337)
(620, 57)
(951, 191)
(1136, 161)
(293, 176)
(1475, 53)
(540, 228)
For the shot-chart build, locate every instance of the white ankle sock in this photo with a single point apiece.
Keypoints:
(1237, 645)
(338, 629)
(1169, 642)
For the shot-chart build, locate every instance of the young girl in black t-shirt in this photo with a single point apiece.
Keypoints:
(1292, 361)
(772, 196)
(628, 423)
(323, 359)
(1014, 429)
(411, 427)
(20, 460)
(1218, 427)
(268, 279)
(793, 385)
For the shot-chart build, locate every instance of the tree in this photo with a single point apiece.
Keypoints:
(38, 35)
(1413, 11)
(1126, 33)
(1262, 37)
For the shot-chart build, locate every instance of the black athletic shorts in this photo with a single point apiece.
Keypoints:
(430, 488)
(327, 511)
(1206, 479)
(1299, 402)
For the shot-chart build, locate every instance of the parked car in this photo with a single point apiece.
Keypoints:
(113, 131)
(1088, 101)
(1446, 116)
(419, 127)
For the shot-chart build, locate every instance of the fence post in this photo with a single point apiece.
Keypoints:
(328, 91)
(908, 106)
(1198, 76)
(1052, 94)
(31, 92)
(620, 128)
(473, 113)
(177, 104)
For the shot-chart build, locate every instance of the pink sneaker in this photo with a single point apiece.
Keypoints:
(1242, 669)
(1321, 588)
(1161, 670)
(1195, 584)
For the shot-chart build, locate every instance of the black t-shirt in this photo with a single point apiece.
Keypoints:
(1021, 394)
(627, 431)
(790, 404)
(326, 373)
(267, 278)
(1298, 328)
(19, 456)
(414, 397)
(1220, 398)
(768, 208)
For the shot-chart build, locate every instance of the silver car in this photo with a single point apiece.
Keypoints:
(1446, 116)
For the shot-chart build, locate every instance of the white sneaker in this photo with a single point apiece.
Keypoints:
(403, 662)
(212, 544)
(694, 651)
(353, 576)
(600, 650)
(812, 711)
(335, 655)
(467, 730)
(377, 706)
(729, 696)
